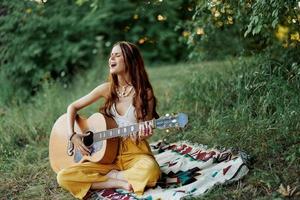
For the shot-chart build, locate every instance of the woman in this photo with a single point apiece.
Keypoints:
(129, 99)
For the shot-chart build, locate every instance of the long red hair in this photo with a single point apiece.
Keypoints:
(134, 65)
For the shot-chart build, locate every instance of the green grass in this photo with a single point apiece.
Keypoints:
(227, 105)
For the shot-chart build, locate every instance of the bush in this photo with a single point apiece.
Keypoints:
(56, 39)
(44, 41)
(232, 28)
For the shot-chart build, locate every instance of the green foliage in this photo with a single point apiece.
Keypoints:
(221, 28)
(44, 41)
(55, 40)
(266, 15)
(150, 24)
(215, 30)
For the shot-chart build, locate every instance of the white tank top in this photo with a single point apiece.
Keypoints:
(124, 120)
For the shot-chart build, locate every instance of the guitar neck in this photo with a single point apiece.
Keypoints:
(121, 131)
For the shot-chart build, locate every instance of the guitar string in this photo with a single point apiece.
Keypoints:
(135, 125)
(106, 132)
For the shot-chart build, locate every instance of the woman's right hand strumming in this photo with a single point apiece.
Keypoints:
(79, 145)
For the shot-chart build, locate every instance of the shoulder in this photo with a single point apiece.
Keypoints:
(103, 89)
(105, 85)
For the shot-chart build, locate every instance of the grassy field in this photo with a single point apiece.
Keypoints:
(226, 107)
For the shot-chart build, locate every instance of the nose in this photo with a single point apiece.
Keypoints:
(111, 58)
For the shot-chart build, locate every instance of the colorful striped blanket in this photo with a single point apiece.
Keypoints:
(187, 170)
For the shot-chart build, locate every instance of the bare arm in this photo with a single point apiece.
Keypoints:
(100, 91)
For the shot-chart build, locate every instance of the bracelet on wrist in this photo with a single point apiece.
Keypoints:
(70, 138)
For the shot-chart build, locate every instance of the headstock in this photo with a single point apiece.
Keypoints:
(172, 121)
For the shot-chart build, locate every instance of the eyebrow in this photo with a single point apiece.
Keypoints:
(116, 53)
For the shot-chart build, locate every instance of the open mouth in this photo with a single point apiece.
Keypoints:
(113, 64)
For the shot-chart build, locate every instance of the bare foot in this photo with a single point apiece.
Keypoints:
(115, 174)
(124, 185)
(112, 183)
(119, 179)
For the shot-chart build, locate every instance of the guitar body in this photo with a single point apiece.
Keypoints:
(104, 151)
(102, 140)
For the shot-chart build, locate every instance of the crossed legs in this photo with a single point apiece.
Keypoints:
(115, 180)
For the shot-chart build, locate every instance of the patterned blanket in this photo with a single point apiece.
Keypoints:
(187, 170)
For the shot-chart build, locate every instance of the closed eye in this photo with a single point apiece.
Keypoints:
(116, 54)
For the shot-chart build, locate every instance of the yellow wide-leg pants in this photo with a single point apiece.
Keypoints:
(136, 162)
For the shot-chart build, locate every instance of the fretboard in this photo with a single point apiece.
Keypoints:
(118, 132)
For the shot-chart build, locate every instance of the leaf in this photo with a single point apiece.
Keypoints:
(257, 29)
(248, 30)
(275, 13)
(275, 22)
(255, 19)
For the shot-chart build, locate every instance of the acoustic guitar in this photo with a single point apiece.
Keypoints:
(102, 138)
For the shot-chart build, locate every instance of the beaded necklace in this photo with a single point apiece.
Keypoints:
(124, 93)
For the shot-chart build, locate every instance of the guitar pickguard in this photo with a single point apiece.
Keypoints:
(94, 148)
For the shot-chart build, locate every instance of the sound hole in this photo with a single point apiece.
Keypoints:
(88, 140)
